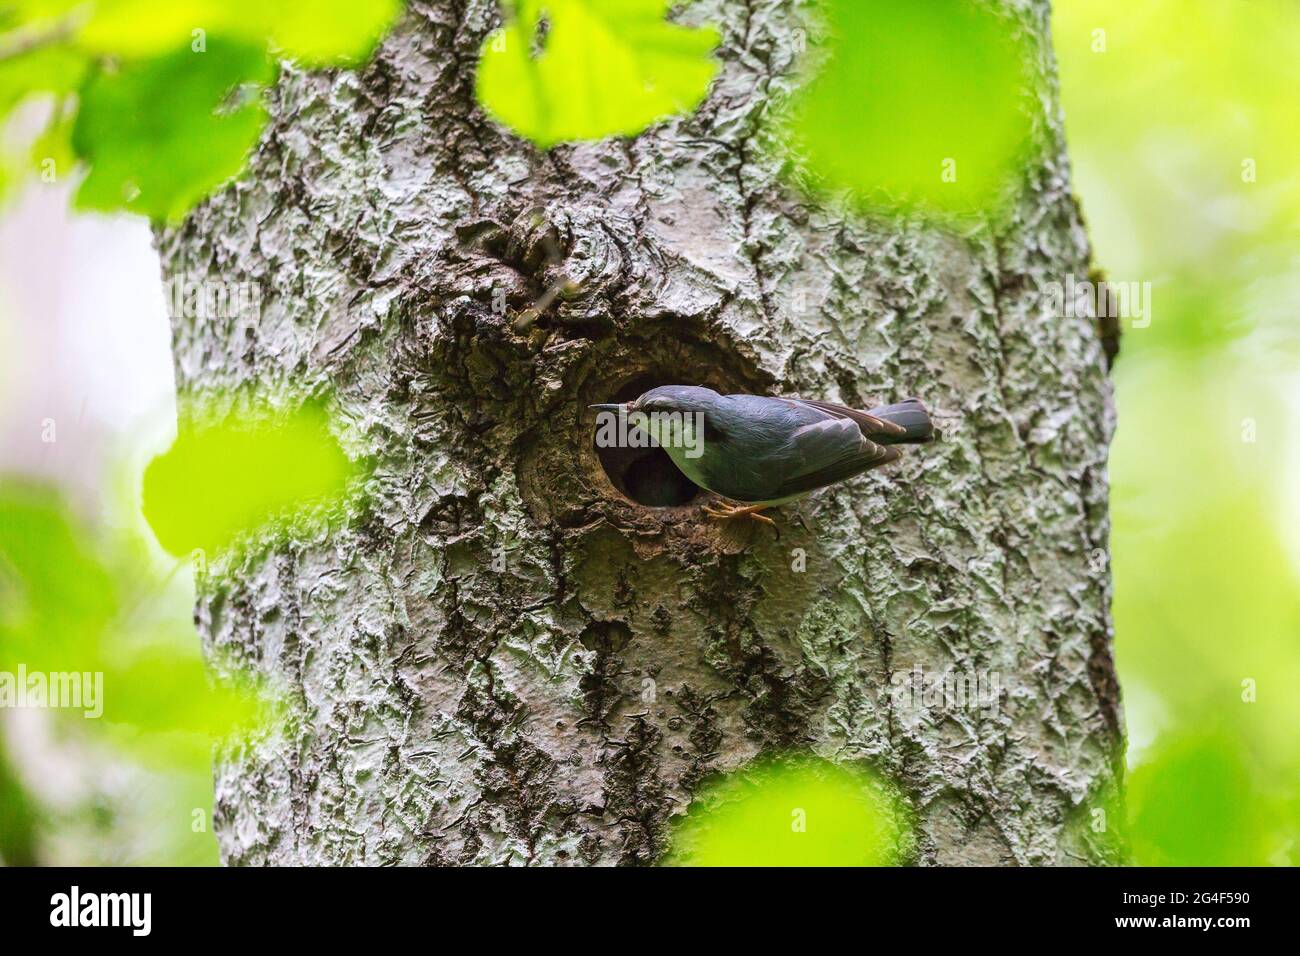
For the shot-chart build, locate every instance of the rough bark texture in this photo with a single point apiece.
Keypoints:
(502, 659)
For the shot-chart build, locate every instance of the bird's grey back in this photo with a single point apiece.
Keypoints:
(751, 448)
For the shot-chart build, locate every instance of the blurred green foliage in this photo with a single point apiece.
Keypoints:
(118, 123)
(1200, 803)
(243, 470)
(1170, 106)
(797, 811)
(160, 99)
(320, 33)
(74, 604)
(1180, 116)
(74, 601)
(920, 107)
(563, 70)
(19, 818)
(79, 599)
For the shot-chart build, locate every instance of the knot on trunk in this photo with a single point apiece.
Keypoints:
(575, 258)
(573, 271)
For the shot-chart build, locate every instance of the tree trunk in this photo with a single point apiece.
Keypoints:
(510, 656)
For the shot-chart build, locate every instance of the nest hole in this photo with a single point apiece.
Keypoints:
(644, 475)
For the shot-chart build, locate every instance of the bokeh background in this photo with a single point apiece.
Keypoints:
(1188, 169)
(1181, 123)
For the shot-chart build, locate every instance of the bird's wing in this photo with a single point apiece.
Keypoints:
(870, 425)
(829, 451)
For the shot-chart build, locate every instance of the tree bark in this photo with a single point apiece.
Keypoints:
(504, 658)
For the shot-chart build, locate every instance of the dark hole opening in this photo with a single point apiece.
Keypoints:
(646, 475)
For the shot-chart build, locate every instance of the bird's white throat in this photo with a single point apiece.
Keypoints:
(681, 434)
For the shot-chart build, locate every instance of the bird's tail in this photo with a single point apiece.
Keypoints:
(911, 415)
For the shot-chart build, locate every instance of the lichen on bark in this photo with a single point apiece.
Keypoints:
(502, 658)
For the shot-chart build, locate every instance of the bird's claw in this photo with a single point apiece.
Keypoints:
(725, 512)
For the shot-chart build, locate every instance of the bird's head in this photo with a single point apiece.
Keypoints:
(667, 398)
(677, 398)
(672, 414)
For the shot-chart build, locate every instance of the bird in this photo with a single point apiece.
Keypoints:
(761, 451)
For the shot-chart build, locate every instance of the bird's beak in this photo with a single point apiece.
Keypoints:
(608, 408)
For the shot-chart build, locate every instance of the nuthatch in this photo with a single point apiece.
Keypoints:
(762, 451)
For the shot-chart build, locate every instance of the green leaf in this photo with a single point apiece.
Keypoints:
(221, 479)
(40, 15)
(70, 603)
(56, 596)
(801, 812)
(51, 69)
(327, 31)
(159, 134)
(922, 105)
(157, 129)
(605, 67)
(138, 29)
(323, 32)
(1195, 803)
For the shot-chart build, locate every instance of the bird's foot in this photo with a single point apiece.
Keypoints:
(723, 511)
